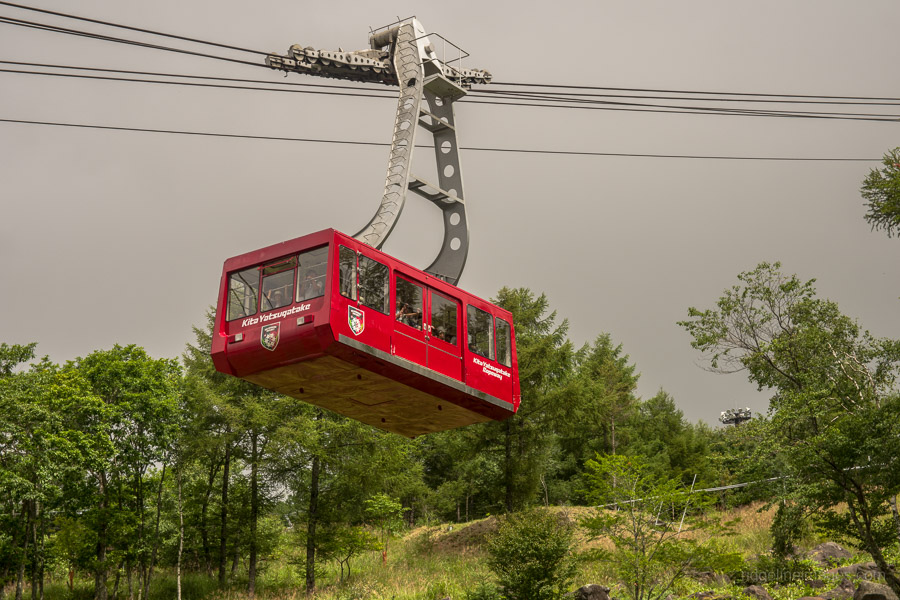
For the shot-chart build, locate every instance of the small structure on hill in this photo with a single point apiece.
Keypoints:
(735, 416)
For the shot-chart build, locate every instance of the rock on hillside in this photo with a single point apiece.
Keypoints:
(868, 590)
(829, 554)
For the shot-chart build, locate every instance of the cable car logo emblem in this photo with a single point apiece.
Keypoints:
(269, 336)
(356, 319)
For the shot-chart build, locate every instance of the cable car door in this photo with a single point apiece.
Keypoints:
(442, 335)
(408, 340)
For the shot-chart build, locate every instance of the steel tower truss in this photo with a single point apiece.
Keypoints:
(403, 54)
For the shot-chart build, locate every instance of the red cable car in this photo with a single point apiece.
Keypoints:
(332, 321)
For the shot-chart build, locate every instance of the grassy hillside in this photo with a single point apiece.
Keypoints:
(436, 562)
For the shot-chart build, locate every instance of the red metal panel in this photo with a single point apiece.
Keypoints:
(409, 347)
(295, 338)
(376, 327)
(485, 373)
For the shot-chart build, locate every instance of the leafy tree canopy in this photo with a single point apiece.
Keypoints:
(881, 190)
(833, 415)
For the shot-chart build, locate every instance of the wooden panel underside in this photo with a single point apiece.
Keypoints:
(360, 394)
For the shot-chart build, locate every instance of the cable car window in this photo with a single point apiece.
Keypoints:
(443, 318)
(278, 284)
(481, 332)
(243, 289)
(409, 303)
(504, 343)
(373, 284)
(312, 273)
(347, 269)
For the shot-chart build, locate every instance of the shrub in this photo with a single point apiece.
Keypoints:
(484, 591)
(531, 555)
(788, 528)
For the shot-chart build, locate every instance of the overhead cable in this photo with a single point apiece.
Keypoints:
(545, 95)
(130, 28)
(185, 76)
(493, 83)
(107, 38)
(590, 105)
(700, 92)
(470, 148)
(572, 102)
(196, 84)
(746, 100)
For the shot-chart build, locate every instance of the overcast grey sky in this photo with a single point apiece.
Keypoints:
(116, 237)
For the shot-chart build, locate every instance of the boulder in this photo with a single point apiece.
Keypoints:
(843, 591)
(869, 590)
(867, 570)
(712, 578)
(592, 592)
(829, 554)
(757, 592)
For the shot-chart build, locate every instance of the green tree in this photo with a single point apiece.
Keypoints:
(140, 418)
(343, 543)
(671, 446)
(740, 454)
(531, 555)
(216, 398)
(43, 454)
(385, 514)
(593, 413)
(609, 383)
(72, 545)
(331, 465)
(833, 416)
(14, 355)
(521, 446)
(236, 420)
(462, 478)
(881, 190)
(14, 481)
(654, 522)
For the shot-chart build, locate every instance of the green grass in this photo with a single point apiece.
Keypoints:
(430, 563)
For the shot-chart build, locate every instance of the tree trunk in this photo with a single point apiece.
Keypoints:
(153, 553)
(507, 465)
(893, 503)
(223, 539)
(115, 590)
(612, 428)
(204, 531)
(180, 539)
(34, 550)
(100, 572)
(863, 522)
(7, 565)
(311, 525)
(142, 558)
(20, 571)
(254, 511)
(41, 537)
